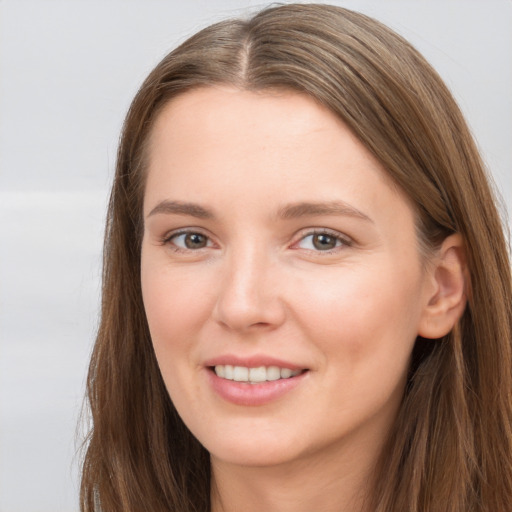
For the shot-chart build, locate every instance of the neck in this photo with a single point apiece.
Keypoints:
(329, 482)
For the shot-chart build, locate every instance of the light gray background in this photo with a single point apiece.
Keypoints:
(68, 69)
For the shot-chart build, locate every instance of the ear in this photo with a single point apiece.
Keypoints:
(446, 296)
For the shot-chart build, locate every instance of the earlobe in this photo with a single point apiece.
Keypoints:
(446, 291)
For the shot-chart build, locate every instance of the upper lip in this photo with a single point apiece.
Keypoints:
(252, 361)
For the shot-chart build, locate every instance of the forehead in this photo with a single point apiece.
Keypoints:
(214, 110)
(275, 144)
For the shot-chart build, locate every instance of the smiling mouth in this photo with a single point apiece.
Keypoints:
(255, 375)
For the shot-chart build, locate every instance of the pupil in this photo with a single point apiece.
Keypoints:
(324, 242)
(195, 241)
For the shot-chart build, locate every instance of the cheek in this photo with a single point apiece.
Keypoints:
(369, 310)
(173, 311)
(173, 306)
(365, 330)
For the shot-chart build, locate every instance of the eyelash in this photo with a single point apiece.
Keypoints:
(343, 240)
(168, 239)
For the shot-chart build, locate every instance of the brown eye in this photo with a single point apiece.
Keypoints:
(195, 241)
(190, 241)
(324, 242)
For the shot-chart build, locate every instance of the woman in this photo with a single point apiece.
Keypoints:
(307, 291)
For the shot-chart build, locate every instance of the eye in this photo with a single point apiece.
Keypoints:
(189, 240)
(322, 241)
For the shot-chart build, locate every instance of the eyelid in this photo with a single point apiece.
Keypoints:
(167, 238)
(345, 240)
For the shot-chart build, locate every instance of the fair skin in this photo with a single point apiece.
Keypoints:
(274, 239)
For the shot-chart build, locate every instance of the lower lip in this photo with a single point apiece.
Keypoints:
(243, 393)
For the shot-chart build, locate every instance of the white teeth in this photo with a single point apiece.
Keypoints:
(254, 375)
(240, 373)
(228, 372)
(286, 373)
(273, 373)
(258, 374)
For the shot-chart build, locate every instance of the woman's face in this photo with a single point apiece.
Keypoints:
(277, 253)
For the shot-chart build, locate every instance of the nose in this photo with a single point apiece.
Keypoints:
(249, 297)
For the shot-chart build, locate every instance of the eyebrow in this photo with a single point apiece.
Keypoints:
(287, 212)
(179, 208)
(304, 209)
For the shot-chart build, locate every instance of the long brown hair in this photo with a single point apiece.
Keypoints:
(451, 447)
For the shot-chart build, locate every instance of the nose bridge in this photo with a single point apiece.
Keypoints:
(249, 293)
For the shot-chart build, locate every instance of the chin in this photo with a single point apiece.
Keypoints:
(254, 456)
(269, 449)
